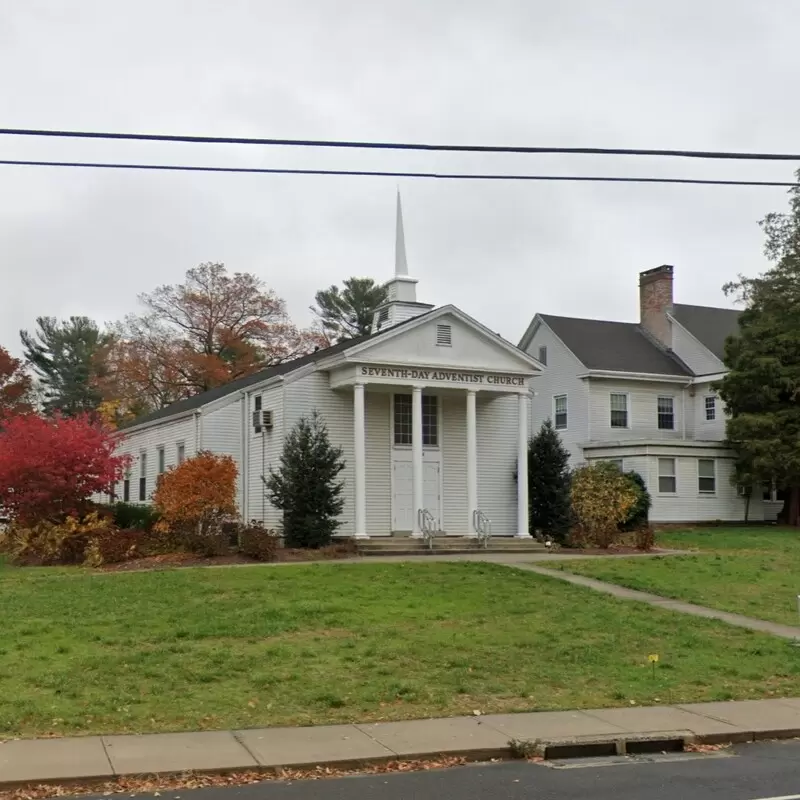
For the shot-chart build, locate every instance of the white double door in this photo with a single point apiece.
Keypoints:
(403, 488)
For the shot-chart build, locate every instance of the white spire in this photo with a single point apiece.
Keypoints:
(400, 261)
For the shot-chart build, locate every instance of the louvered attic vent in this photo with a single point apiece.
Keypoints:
(444, 335)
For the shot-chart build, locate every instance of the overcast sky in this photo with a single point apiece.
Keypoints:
(698, 74)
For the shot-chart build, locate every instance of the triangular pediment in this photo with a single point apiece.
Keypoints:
(445, 339)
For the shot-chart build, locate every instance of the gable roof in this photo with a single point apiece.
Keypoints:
(458, 314)
(710, 326)
(204, 398)
(615, 346)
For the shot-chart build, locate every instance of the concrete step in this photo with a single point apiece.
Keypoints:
(397, 545)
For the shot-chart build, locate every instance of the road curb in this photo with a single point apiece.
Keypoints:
(615, 744)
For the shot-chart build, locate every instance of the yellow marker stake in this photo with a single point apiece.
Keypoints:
(653, 659)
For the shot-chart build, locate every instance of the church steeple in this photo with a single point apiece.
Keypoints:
(401, 301)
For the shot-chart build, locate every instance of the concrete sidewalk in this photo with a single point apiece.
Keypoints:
(93, 758)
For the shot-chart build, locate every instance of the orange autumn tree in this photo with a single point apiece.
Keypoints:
(197, 495)
(193, 336)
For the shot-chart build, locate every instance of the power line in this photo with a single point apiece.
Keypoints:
(388, 174)
(355, 145)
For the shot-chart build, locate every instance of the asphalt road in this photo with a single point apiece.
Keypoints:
(748, 772)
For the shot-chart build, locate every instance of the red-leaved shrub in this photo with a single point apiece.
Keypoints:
(49, 468)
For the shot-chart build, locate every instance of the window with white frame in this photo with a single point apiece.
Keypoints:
(618, 463)
(181, 452)
(403, 420)
(619, 410)
(560, 411)
(666, 413)
(162, 460)
(667, 479)
(706, 476)
(711, 408)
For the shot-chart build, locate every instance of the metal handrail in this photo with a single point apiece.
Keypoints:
(483, 527)
(427, 525)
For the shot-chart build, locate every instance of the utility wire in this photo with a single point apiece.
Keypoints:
(388, 174)
(453, 148)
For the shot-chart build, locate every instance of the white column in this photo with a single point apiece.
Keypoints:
(416, 457)
(472, 462)
(359, 440)
(522, 468)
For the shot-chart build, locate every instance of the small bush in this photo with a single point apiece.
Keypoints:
(208, 541)
(48, 543)
(114, 546)
(645, 538)
(602, 498)
(129, 516)
(196, 498)
(258, 542)
(640, 510)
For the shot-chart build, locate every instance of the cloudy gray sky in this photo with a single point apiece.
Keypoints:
(699, 74)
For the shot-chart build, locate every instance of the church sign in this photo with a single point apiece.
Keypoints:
(442, 376)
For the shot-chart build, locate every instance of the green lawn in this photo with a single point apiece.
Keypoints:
(310, 644)
(751, 571)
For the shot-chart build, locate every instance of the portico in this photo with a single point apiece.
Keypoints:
(436, 461)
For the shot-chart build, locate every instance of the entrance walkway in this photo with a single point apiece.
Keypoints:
(775, 628)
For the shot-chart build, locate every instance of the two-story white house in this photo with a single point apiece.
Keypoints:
(640, 394)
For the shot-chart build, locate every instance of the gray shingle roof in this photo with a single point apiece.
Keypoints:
(204, 398)
(710, 326)
(617, 346)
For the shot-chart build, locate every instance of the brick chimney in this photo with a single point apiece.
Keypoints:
(655, 301)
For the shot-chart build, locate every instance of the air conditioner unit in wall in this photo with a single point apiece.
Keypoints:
(262, 420)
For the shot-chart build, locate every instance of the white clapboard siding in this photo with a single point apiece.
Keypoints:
(453, 416)
(689, 505)
(497, 422)
(312, 391)
(222, 434)
(379, 462)
(560, 376)
(642, 410)
(169, 435)
(708, 430)
(695, 355)
(263, 453)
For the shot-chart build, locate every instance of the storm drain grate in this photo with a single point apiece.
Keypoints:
(595, 748)
(654, 746)
(580, 750)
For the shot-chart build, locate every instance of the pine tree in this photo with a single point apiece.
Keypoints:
(549, 483)
(306, 486)
(66, 356)
(346, 313)
(761, 388)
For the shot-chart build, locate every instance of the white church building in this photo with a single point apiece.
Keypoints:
(431, 410)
